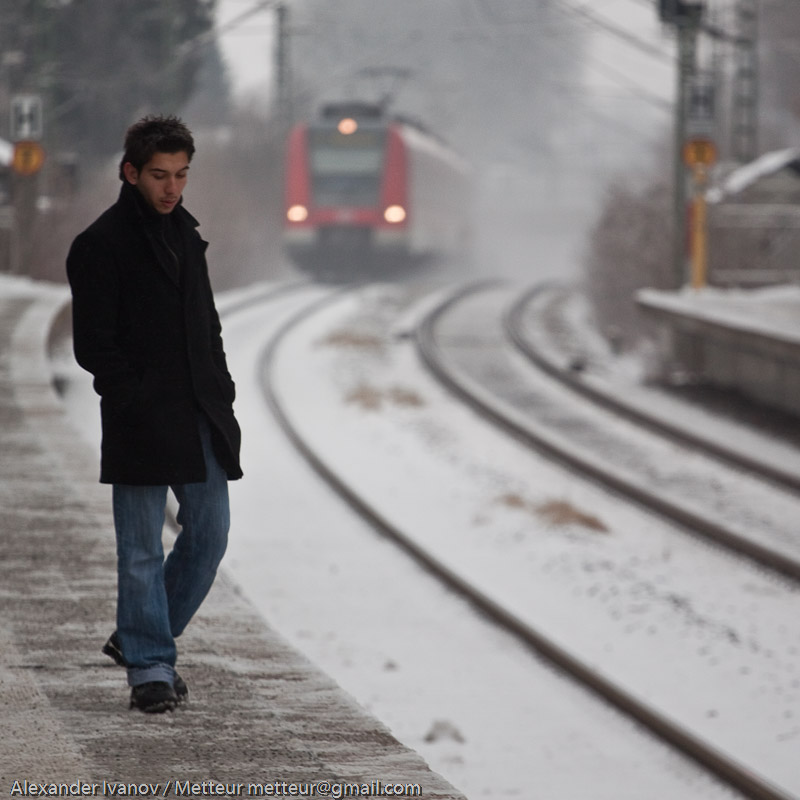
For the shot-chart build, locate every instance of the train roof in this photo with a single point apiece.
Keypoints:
(375, 112)
(353, 108)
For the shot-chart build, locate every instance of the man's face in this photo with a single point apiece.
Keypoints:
(161, 179)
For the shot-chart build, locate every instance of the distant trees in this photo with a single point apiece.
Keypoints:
(98, 63)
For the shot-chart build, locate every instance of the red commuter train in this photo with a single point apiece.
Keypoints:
(367, 191)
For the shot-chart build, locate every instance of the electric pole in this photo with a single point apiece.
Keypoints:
(283, 64)
(685, 16)
(745, 82)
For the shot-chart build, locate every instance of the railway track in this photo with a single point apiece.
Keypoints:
(639, 408)
(692, 498)
(436, 348)
(511, 728)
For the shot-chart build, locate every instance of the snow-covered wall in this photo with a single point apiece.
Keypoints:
(741, 340)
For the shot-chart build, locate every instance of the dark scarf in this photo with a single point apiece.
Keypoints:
(165, 232)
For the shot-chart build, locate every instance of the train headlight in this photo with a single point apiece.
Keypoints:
(394, 214)
(297, 214)
(347, 126)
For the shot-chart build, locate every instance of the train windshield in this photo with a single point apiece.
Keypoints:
(346, 169)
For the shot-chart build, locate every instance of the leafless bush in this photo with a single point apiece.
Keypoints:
(630, 248)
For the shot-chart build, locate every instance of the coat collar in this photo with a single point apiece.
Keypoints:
(134, 205)
(154, 227)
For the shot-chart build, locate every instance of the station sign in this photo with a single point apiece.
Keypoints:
(701, 113)
(26, 122)
(28, 158)
(699, 152)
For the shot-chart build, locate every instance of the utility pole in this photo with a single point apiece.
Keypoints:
(687, 49)
(685, 16)
(283, 64)
(745, 82)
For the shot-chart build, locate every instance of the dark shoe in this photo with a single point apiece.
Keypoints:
(155, 697)
(181, 689)
(112, 649)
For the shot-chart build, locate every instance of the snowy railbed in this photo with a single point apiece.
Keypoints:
(706, 638)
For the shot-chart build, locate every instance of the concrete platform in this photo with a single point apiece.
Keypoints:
(742, 339)
(260, 718)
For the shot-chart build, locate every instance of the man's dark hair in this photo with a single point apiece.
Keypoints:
(155, 134)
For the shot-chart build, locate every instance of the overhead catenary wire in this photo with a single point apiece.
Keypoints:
(489, 21)
(208, 37)
(605, 26)
(621, 34)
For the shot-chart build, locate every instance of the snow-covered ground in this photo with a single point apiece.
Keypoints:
(602, 440)
(484, 711)
(703, 636)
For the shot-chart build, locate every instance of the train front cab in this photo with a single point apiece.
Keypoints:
(346, 191)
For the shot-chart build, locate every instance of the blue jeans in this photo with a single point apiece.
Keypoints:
(157, 598)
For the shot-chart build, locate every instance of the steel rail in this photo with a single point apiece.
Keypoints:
(525, 431)
(514, 328)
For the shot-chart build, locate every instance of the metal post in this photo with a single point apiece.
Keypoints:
(699, 227)
(687, 40)
(745, 89)
(282, 65)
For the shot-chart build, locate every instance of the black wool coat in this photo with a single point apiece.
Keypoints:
(145, 326)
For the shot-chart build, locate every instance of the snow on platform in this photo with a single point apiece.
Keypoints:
(259, 712)
(742, 339)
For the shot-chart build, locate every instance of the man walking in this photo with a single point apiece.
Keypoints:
(145, 326)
